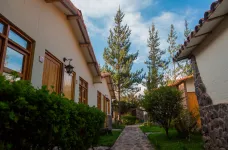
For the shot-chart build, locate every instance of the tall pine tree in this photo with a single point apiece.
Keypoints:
(172, 49)
(119, 61)
(175, 69)
(187, 68)
(155, 64)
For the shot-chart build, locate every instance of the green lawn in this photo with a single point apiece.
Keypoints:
(109, 140)
(151, 129)
(161, 142)
(118, 126)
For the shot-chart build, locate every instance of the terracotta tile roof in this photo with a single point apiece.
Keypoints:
(179, 81)
(105, 74)
(218, 9)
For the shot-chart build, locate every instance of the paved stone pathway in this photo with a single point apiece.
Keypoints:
(132, 138)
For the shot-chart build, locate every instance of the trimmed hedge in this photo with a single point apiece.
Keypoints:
(129, 120)
(35, 119)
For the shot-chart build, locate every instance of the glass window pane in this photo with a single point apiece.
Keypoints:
(1, 27)
(13, 60)
(16, 38)
(9, 77)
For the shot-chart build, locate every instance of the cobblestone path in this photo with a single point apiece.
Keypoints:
(132, 138)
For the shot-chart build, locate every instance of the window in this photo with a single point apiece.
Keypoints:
(1, 27)
(83, 91)
(99, 100)
(15, 51)
(19, 40)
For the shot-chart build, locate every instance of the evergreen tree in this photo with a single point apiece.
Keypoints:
(172, 49)
(155, 64)
(187, 31)
(187, 68)
(119, 61)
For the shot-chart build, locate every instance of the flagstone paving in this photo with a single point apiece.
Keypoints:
(132, 138)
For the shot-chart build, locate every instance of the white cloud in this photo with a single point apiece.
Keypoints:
(99, 14)
(107, 8)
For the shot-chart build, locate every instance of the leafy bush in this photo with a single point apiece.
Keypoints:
(118, 126)
(35, 119)
(186, 123)
(147, 123)
(163, 105)
(129, 120)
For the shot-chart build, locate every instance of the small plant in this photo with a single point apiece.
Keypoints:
(163, 105)
(118, 126)
(128, 119)
(186, 123)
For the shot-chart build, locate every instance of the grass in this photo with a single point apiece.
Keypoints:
(174, 142)
(109, 140)
(118, 126)
(151, 129)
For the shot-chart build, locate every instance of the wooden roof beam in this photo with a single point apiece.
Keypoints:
(91, 63)
(218, 17)
(73, 17)
(52, 1)
(84, 44)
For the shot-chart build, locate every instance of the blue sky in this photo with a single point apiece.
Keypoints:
(139, 15)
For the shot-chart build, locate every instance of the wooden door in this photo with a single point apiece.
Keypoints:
(52, 73)
(104, 105)
(108, 103)
(193, 105)
(69, 85)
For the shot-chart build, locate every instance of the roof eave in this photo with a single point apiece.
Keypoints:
(72, 13)
(218, 11)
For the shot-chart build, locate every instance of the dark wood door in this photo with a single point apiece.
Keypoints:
(52, 73)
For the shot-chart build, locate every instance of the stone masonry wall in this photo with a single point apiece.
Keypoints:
(214, 118)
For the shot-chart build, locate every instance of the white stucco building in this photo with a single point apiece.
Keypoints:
(36, 36)
(207, 47)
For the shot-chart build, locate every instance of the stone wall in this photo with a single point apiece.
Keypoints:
(214, 118)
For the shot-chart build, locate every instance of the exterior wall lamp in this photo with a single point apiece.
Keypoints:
(69, 68)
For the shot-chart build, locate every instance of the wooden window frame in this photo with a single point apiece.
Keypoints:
(83, 85)
(99, 96)
(28, 52)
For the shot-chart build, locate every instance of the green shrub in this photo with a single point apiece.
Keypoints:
(129, 120)
(186, 123)
(163, 105)
(148, 123)
(117, 125)
(35, 119)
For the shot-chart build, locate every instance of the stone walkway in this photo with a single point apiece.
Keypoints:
(132, 138)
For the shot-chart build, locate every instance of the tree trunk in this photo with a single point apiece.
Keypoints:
(119, 100)
(174, 72)
(167, 132)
